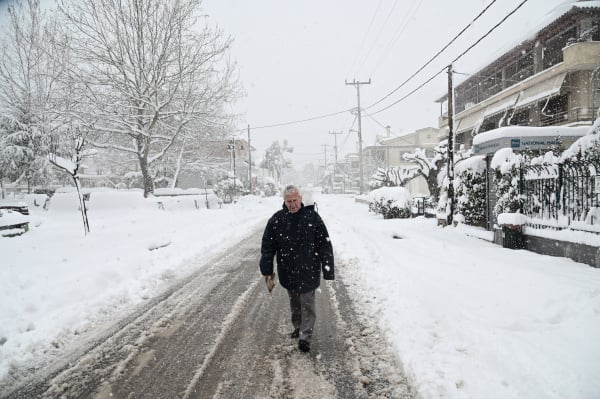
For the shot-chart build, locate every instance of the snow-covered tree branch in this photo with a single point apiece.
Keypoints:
(147, 70)
(431, 168)
(275, 160)
(67, 156)
(27, 77)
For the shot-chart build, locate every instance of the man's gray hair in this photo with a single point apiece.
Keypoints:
(291, 189)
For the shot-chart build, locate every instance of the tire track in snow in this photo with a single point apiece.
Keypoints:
(219, 334)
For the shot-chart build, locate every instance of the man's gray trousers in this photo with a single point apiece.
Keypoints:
(303, 313)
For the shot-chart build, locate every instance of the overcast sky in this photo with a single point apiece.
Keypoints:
(295, 56)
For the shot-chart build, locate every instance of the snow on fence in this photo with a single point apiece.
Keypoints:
(563, 195)
(100, 199)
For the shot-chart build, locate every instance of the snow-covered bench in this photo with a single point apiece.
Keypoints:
(14, 218)
(191, 198)
(18, 206)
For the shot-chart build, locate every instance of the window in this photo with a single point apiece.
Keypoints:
(552, 54)
(465, 96)
(596, 31)
(525, 65)
(520, 117)
(510, 73)
(554, 110)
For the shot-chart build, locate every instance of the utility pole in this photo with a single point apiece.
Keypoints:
(335, 149)
(450, 147)
(231, 146)
(325, 151)
(360, 155)
(249, 161)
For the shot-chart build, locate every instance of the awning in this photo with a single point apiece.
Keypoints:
(540, 91)
(501, 106)
(469, 121)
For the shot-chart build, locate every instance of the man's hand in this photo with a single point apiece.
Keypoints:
(270, 280)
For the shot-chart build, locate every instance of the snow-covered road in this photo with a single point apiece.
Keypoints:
(219, 334)
(467, 318)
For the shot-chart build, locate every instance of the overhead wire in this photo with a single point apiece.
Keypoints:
(303, 120)
(366, 57)
(434, 57)
(456, 59)
(397, 34)
(340, 96)
(375, 120)
(412, 76)
(365, 36)
(409, 94)
(348, 134)
(490, 31)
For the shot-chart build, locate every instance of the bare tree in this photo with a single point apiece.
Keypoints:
(197, 149)
(69, 161)
(146, 70)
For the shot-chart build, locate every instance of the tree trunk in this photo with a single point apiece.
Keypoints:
(142, 147)
(178, 166)
(432, 184)
(148, 181)
(86, 225)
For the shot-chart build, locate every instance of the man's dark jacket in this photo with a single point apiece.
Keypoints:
(301, 243)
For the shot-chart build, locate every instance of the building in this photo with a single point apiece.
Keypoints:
(551, 79)
(388, 152)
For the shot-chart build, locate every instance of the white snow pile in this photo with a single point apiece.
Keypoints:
(399, 197)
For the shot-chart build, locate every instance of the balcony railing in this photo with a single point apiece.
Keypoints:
(575, 115)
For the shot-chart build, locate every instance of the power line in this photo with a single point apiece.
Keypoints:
(366, 57)
(435, 56)
(304, 120)
(397, 34)
(375, 120)
(410, 78)
(490, 31)
(409, 94)
(453, 61)
(365, 37)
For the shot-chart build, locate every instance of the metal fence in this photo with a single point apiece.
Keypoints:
(560, 194)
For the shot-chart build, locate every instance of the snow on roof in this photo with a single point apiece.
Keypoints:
(530, 131)
(585, 4)
(529, 34)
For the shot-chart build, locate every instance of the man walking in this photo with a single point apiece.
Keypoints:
(297, 236)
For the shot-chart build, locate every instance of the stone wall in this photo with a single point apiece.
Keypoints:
(583, 253)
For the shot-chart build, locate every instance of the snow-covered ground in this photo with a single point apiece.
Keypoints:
(468, 319)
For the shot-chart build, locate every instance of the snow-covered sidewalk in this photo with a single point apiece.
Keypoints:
(468, 318)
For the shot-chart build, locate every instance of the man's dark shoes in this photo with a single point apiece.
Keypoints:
(295, 333)
(303, 345)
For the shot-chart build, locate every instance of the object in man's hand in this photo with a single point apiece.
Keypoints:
(270, 282)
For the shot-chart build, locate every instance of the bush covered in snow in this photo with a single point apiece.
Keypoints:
(506, 165)
(470, 190)
(391, 202)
